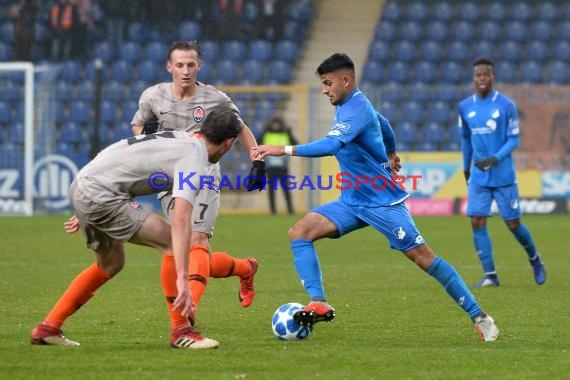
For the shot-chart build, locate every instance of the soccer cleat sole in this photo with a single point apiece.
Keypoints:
(308, 318)
(53, 341)
(188, 343)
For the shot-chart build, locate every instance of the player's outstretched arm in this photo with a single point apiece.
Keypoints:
(181, 231)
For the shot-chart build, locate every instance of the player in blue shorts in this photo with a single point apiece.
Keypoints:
(368, 197)
(489, 128)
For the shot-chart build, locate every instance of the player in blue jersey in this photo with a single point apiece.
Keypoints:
(357, 141)
(490, 133)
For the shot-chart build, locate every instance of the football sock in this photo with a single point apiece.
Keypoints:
(308, 268)
(223, 265)
(522, 234)
(198, 271)
(81, 289)
(484, 249)
(168, 279)
(454, 285)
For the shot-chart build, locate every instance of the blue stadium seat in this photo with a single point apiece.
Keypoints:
(425, 72)
(536, 51)
(156, 52)
(496, 11)
(5, 52)
(426, 147)
(404, 51)
(483, 48)
(439, 112)
(63, 91)
(250, 12)
(385, 31)
(398, 71)
(436, 31)
(510, 51)
(392, 11)
(557, 73)
(85, 91)
(468, 11)
(128, 110)
(406, 132)
(411, 31)
(506, 72)
(206, 74)
(115, 91)
(211, 50)
(79, 112)
(61, 112)
(541, 31)
(516, 31)
(452, 145)
(442, 11)
(234, 50)
(11, 155)
(417, 11)
(90, 71)
(373, 72)
(458, 51)
(547, 11)
(452, 73)
(11, 91)
(137, 88)
(105, 51)
(65, 149)
(564, 29)
(412, 111)
(419, 92)
(287, 51)
(462, 31)
(108, 111)
(294, 31)
(379, 51)
(490, 31)
(260, 50)
(189, 31)
(446, 93)
(392, 92)
(5, 113)
(137, 32)
(402, 146)
(71, 71)
(253, 71)
(71, 133)
(530, 72)
(122, 130)
(130, 52)
(390, 111)
(7, 32)
(433, 132)
(227, 71)
(122, 71)
(17, 133)
(560, 51)
(149, 71)
(279, 72)
(521, 11)
(264, 110)
(431, 51)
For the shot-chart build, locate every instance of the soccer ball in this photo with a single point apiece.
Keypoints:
(285, 327)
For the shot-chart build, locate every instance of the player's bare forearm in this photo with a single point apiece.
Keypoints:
(137, 129)
(181, 231)
(261, 151)
(247, 140)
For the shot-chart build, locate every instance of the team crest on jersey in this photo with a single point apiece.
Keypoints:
(198, 114)
(135, 205)
(495, 113)
(399, 233)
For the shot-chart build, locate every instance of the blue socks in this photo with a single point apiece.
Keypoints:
(308, 268)
(454, 285)
(484, 249)
(522, 234)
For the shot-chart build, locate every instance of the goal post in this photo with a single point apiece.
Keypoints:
(14, 198)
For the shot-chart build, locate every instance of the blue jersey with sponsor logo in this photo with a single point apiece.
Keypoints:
(486, 124)
(363, 155)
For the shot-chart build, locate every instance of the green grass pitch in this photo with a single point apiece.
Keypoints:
(393, 321)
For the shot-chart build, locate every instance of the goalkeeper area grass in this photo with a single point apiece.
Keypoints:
(393, 321)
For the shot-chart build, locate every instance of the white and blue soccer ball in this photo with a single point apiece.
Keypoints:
(285, 327)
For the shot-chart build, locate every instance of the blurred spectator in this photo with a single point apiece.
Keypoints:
(25, 30)
(84, 35)
(114, 14)
(63, 21)
(269, 22)
(230, 20)
(277, 168)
